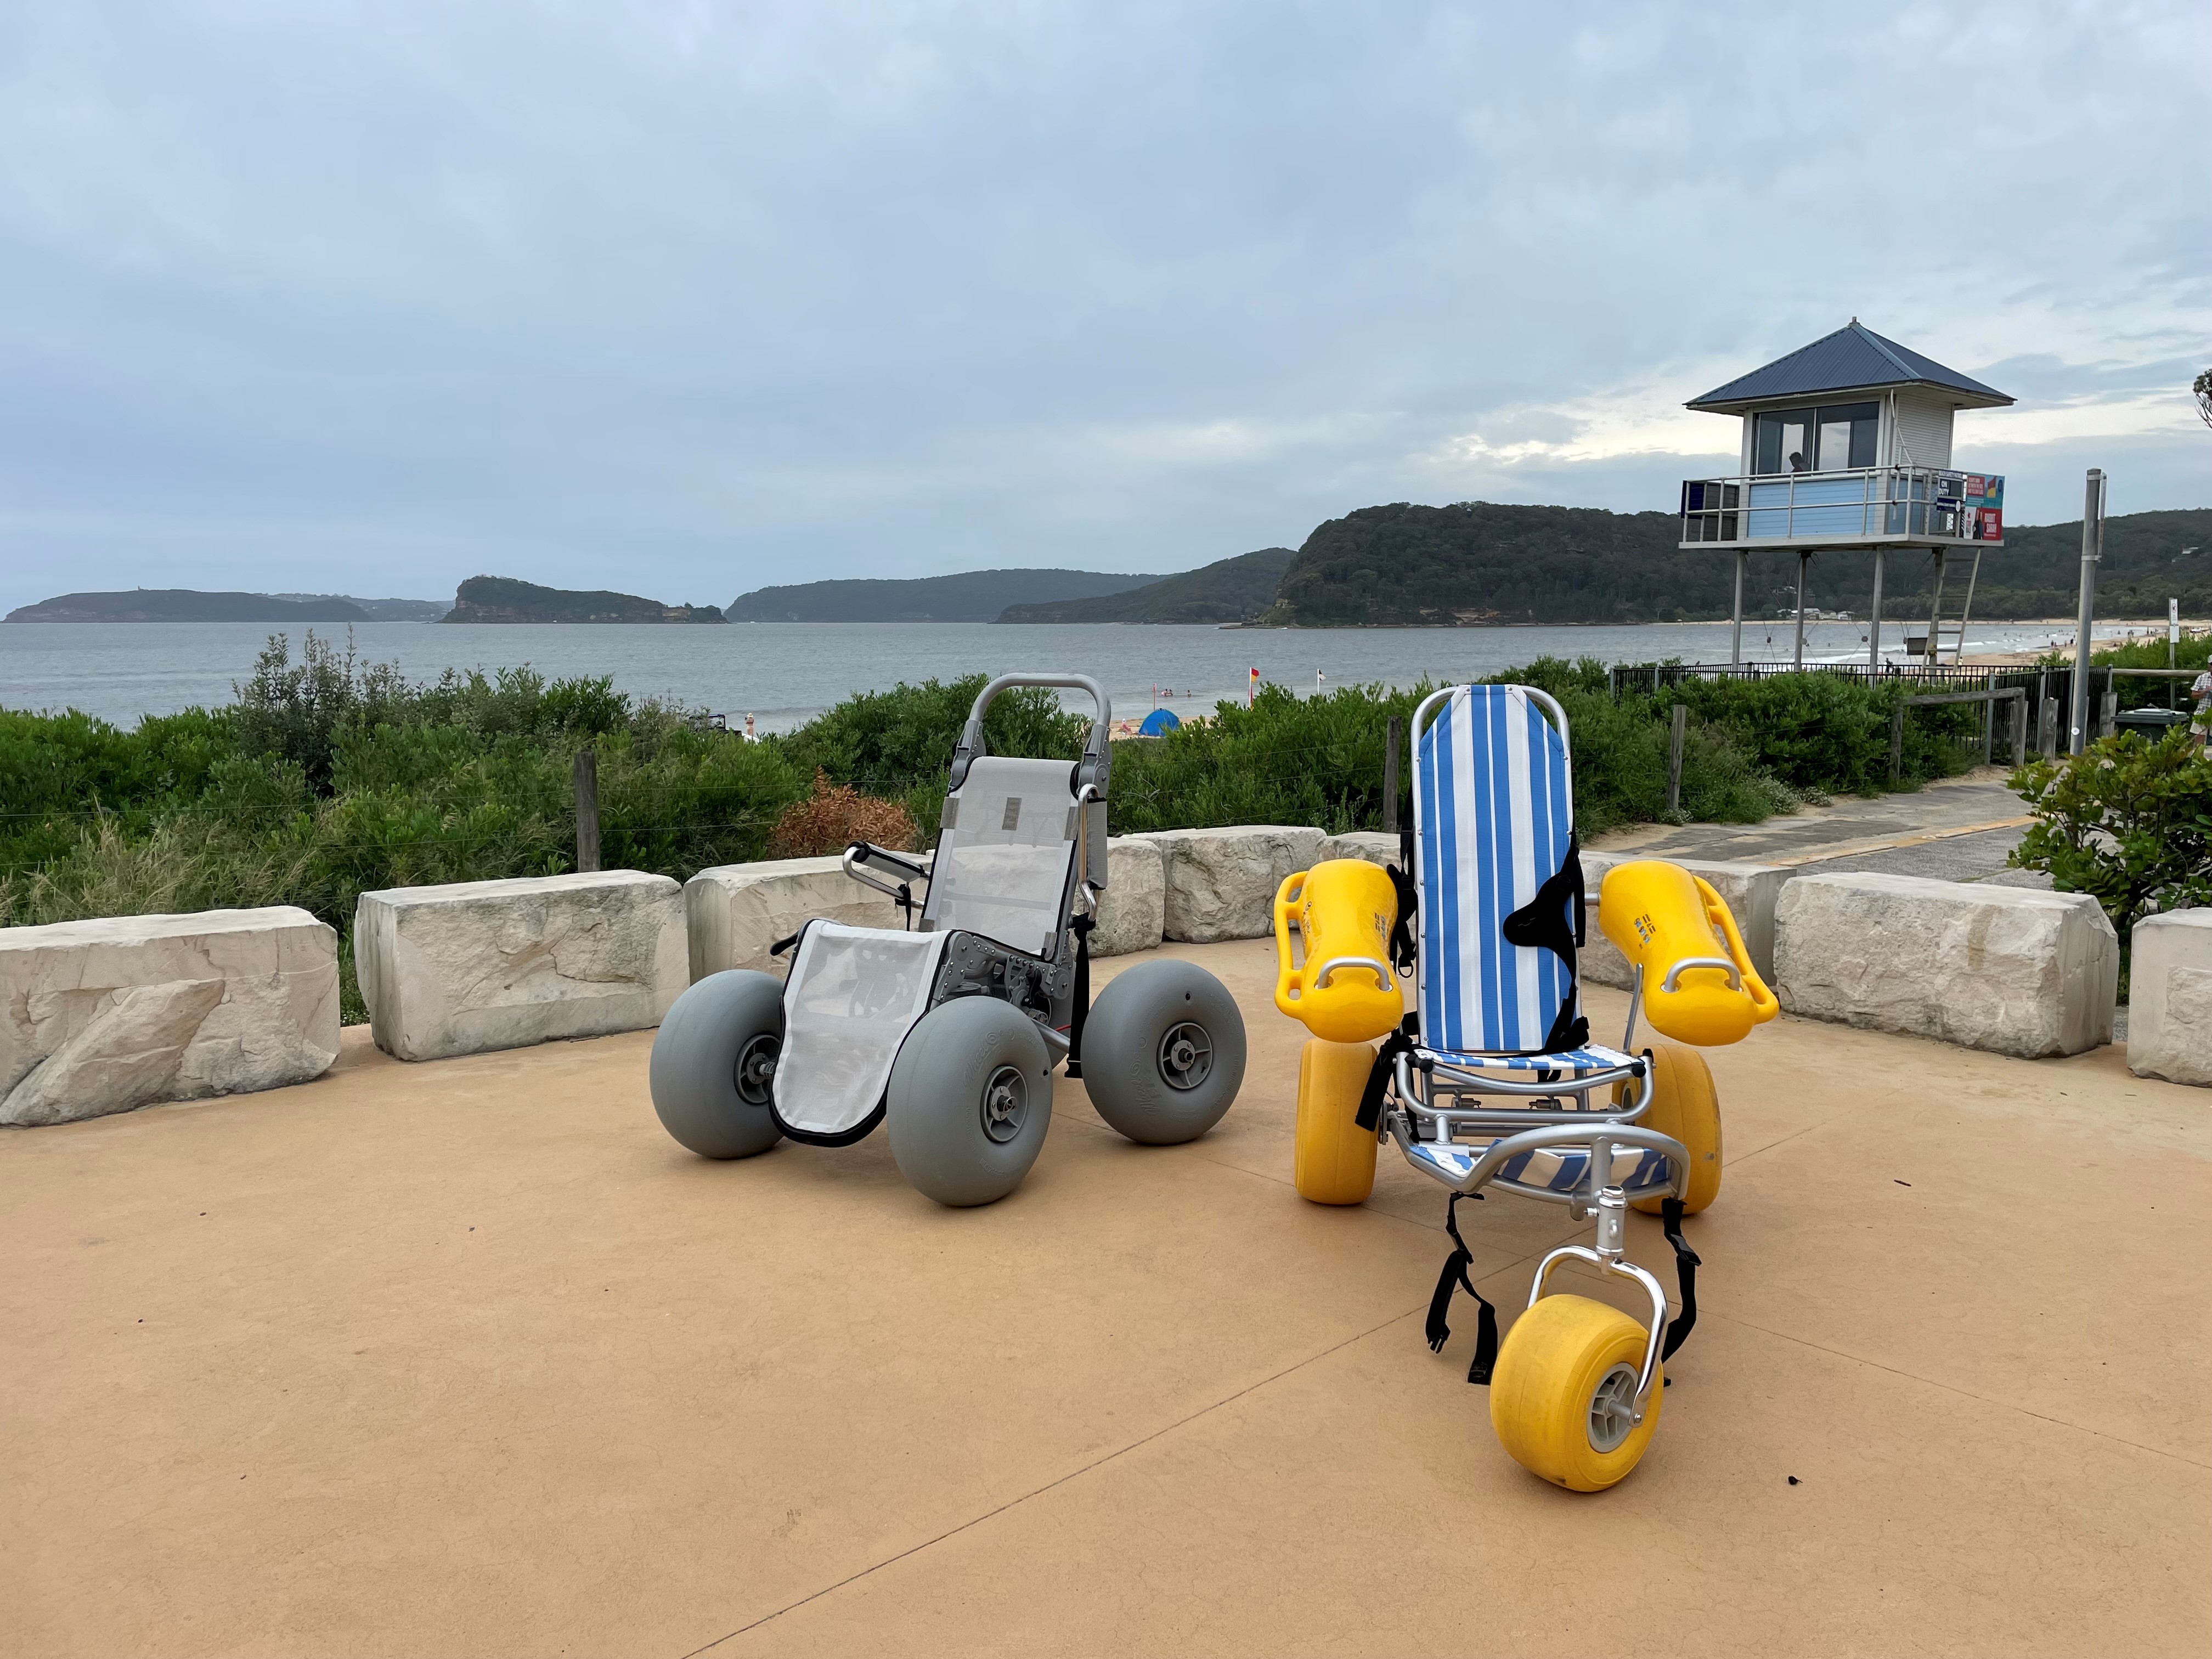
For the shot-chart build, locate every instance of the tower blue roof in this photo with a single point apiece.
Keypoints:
(1853, 359)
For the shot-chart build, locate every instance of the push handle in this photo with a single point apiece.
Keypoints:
(1765, 1004)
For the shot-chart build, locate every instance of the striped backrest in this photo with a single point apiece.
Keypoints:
(1493, 816)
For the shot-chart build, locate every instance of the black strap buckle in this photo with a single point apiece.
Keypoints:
(1453, 1278)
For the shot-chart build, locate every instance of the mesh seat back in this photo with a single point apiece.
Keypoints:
(1493, 820)
(1007, 854)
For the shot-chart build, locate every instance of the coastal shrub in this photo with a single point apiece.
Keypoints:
(2128, 821)
(835, 815)
(329, 776)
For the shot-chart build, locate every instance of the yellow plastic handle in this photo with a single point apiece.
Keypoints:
(1764, 1003)
(1287, 978)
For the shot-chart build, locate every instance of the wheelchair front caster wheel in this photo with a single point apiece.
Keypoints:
(1333, 1161)
(1563, 1394)
(1163, 1053)
(1686, 1105)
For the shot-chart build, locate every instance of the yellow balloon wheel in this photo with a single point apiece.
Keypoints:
(1686, 1105)
(1563, 1396)
(1335, 1159)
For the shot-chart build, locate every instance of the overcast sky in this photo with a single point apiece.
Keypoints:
(685, 297)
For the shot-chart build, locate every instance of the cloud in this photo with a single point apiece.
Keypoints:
(703, 293)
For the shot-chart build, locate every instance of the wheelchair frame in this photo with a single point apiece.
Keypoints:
(1426, 1131)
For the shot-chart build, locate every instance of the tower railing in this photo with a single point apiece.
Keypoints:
(1915, 505)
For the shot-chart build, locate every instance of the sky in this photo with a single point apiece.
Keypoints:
(687, 298)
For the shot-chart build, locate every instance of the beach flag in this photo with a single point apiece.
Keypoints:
(1251, 686)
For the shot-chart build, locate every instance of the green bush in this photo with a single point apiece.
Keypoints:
(329, 777)
(2127, 821)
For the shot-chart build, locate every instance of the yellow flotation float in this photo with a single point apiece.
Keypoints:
(1344, 992)
(1699, 984)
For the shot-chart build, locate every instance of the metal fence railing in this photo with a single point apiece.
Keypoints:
(2048, 692)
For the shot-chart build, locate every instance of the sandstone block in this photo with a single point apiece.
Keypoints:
(111, 1014)
(1221, 882)
(734, 912)
(2170, 997)
(1750, 891)
(1134, 912)
(2004, 969)
(1371, 845)
(476, 965)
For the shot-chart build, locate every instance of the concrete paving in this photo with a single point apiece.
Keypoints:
(1960, 829)
(468, 1358)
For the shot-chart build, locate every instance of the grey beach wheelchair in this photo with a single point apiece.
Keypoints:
(947, 1031)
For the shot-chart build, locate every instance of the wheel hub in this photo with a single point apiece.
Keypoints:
(1006, 1103)
(1613, 1408)
(1186, 1056)
(756, 1068)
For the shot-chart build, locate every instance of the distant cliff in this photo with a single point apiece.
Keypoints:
(172, 604)
(1226, 591)
(504, 599)
(972, 596)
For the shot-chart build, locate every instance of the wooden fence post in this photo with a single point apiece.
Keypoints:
(1681, 726)
(2020, 730)
(1896, 744)
(588, 810)
(1390, 776)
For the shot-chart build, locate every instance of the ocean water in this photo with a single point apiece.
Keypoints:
(783, 673)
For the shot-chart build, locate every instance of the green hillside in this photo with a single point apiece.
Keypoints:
(971, 596)
(184, 605)
(1226, 591)
(504, 599)
(1481, 562)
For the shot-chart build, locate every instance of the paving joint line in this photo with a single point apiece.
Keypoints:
(1964, 1394)
(1049, 1486)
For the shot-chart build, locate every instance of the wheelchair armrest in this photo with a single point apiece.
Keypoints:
(866, 853)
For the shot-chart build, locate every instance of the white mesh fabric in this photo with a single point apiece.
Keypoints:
(1002, 864)
(854, 994)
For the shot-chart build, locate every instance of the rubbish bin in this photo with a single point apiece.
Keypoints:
(2151, 724)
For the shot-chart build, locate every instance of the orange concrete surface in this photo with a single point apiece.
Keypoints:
(471, 1359)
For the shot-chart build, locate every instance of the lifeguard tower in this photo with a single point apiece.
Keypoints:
(1846, 447)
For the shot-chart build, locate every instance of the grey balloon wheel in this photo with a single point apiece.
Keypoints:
(1164, 1052)
(969, 1101)
(713, 1061)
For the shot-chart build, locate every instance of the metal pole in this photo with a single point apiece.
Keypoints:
(2092, 547)
(586, 778)
(1934, 652)
(1874, 626)
(1797, 655)
(1735, 616)
(1681, 726)
(1390, 775)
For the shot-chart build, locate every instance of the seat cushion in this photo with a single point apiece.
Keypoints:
(854, 994)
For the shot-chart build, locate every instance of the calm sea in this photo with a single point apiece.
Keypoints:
(785, 672)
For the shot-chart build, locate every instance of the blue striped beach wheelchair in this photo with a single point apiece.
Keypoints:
(1492, 1083)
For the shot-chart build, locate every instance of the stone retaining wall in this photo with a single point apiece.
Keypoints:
(1750, 891)
(1221, 882)
(123, 1012)
(2004, 969)
(1132, 915)
(2170, 997)
(734, 912)
(478, 965)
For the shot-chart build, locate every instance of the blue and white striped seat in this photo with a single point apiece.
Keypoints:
(1493, 818)
(1557, 1169)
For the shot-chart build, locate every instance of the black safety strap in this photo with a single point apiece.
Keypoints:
(1400, 1041)
(1686, 1272)
(784, 944)
(1081, 927)
(1553, 920)
(1453, 1278)
(1409, 901)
